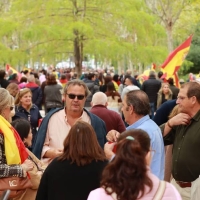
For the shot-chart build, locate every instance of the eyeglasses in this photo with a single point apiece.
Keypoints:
(73, 96)
(181, 98)
(11, 108)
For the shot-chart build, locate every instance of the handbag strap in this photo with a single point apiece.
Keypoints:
(160, 191)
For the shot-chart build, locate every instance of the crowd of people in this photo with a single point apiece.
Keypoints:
(101, 136)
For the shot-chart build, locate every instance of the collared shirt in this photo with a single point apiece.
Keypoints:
(154, 132)
(186, 150)
(57, 131)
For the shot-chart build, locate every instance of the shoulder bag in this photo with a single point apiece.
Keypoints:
(16, 185)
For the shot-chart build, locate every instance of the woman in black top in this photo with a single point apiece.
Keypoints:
(78, 170)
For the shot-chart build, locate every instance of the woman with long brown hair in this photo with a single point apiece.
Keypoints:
(128, 176)
(77, 171)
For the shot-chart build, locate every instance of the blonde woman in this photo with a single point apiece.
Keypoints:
(164, 94)
(13, 156)
(25, 109)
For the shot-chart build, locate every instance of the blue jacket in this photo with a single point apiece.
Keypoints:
(33, 116)
(98, 125)
(163, 112)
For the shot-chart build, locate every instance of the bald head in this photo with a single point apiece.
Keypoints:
(99, 98)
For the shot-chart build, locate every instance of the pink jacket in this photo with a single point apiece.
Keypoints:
(170, 192)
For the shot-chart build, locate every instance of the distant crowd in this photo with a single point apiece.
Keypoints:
(100, 136)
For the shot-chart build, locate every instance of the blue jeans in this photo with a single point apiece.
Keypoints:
(152, 110)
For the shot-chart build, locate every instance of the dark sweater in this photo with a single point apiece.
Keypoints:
(151, 88)
(163, 112)
(64, 181)
(112, 119)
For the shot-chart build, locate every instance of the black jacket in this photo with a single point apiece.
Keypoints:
(151, 88)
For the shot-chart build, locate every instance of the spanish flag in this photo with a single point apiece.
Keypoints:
(14, 71)
(15, 150)
(175, 59)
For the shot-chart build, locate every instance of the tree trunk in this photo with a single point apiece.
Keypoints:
(169, 37)
(78, 54)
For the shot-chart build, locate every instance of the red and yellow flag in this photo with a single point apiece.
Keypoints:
(175, 59)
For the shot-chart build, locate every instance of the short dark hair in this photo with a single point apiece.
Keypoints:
(43, 71)
(26, 71)
(2, 74)
(22, 126)
(90, 76)
(63, 77)
(160, 73)
(51, 79)
(171, 81)
(116, 77)
(193, 90)
(81, 145)
(14, 76)
(130, 156)
(139, 100)
(23, 79)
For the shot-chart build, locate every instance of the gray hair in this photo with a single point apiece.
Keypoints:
(5, 99)
(152, 73)
(79, 83)
(99, 98)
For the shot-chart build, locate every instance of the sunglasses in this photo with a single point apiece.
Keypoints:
(11, 108)
(73, 96)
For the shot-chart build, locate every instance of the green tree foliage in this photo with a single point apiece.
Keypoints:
(194, 53)
(168, 13)
(53, 30)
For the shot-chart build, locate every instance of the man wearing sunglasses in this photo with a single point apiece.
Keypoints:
(57, 123)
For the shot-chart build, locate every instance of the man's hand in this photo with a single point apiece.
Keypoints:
(108, 150)
(53, 153)
(112, 136)
(179, 119)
